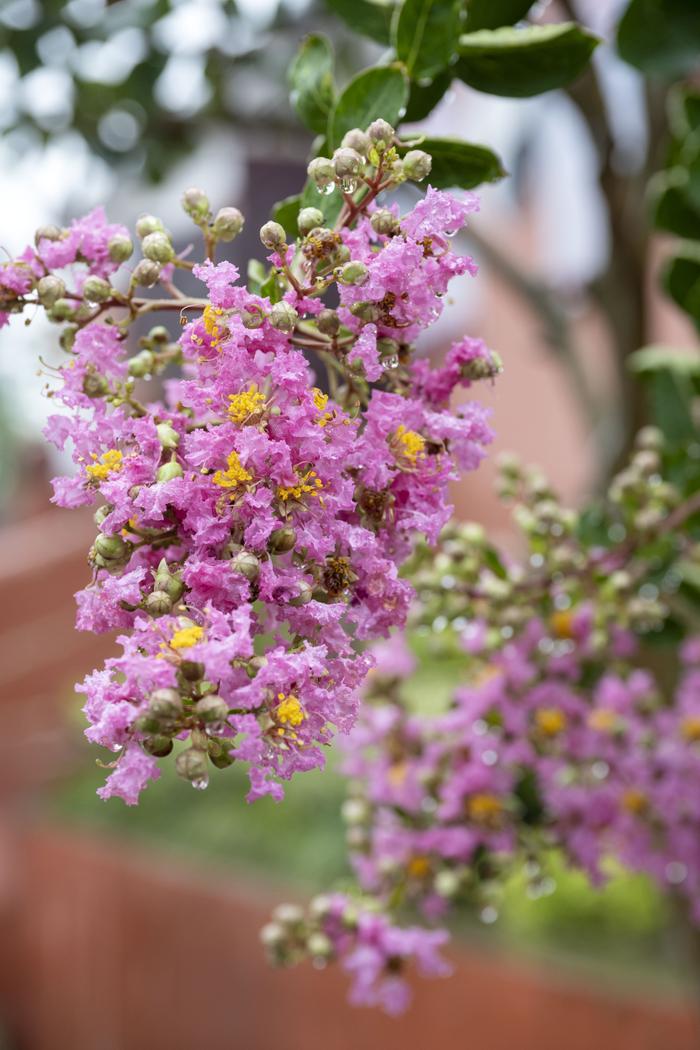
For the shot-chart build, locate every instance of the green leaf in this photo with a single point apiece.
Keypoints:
(673, 208)
(372, 19)
(286, 212)
(461, 164)
(683, 108)
(378, 92)
(328, 203)
(659, 358)
(681, 279)
(661, 37)
(257, 274)
(672, 376)
(490, 14)
(311, 81)
(524, 62)
(424, 97)
(426, 34)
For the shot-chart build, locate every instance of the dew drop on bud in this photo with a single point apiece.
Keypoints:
(391, 362)
(325, 191)
(200, 784)
(348, 185)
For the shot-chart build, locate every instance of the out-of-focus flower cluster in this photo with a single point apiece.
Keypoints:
(560, 736)
(253, 509)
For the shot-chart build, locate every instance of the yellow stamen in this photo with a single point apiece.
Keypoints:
(309, 485)
(289, 710)
(410, 445)
(211, 317)
(603, 721)
(690, 728)
(418, 867)
(320, 401)
(485, 810)
(234, 475)
(186, 637)
(110, 462)
(246, 404)
(561, 623)
(635, 801)
(550, 720)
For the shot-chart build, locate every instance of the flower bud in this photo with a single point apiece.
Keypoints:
(354, 272)
(283, 317)
(95, 384)
(141, 364)
(355, 811)
(120, 248)
(102, 513)
(159, 334)
(169, 471)
(381, 133)
(211, 708)
(247, 564)
(309, 219)
(96, 290)
(219, 753)
(62, 310)
(417, 165)
(167, 581)
(158, 603)
(319, 945)
(111, 547)
(191, 670)
(273, 236)
(282, 540)
(146, 273)
(149, 224)
(321, 171)
(49, 289)
(159, 745)
(191, 764)
(195, 203)
(168, 436)
(384, 222)
(252, 317)
(347, 163)
(272, 935)
(447, 883)
(66, 339)
(228, 224)
(288, 915)
(328, 322)
(304, 596)
(357, 140)
(165, 704)
(365, 311)
(48, 233)
(648, 438)
(157, 248)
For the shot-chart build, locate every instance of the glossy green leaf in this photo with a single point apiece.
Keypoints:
(286, 213)
(366, 17)
(673, 208)
(490, 14)
(461, 164)
(424, 97)
(426, 34)
(523, 62)
(378, 92)
(311, 82)
(659, 358)
(661, 37)
(681, 279)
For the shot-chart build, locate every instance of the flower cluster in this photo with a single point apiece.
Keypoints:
(254, 509)
(559, 736)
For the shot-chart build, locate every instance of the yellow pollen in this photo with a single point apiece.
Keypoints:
(603, 721)
(246, 404)
(550, 720)
(289, 710)
(211, 317)
(561, 623)
(411, 446)
(186, 637)
(320, 401)
(418, 867)
(234, 475)
(110, 462)
(634, 801)
(309, 485)
(690, 728)
(485, 809)
(397, 774)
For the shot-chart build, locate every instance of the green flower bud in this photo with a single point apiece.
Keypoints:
(218, 751)
(354, 272)
(101, 513)
(272, 936)
(247, 564)
(48, 233)
(96, 290)
(95, 384)
(417, 165)
(191, 765)
(288, 915)
(111, 547)
(252, 318)
(347, 163)
(195, 203)
(319, 945)
(381, 133)
(304, 596)
(168, 436)
(62, 310)
(365, 311)
(165, 704)
(321, 171)
(149, 224)
(309, 219)
(447, 883)
(273, 236)
(169, 471)
(158, 603)
(191, 670)
(147, 724)
(357, 140)
(650, 438)
(146, 273)
(228, 224)
(66, 339)
(50, 289)
(211, 708)
(159, 334)
(167, 581)
(283, 317)
(384, 222)
(282, 540)
(157, 248)
(120, 248)
(141, 364)
(328, 322)
(159, 746)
